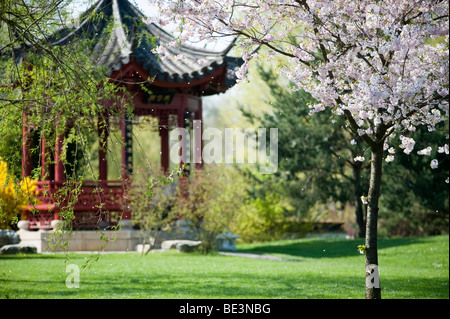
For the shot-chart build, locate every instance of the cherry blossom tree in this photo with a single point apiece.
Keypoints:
(383, 65)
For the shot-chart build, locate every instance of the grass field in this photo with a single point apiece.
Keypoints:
(312, 268)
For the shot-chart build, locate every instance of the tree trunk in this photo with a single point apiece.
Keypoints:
(373, 290)
(359, 211)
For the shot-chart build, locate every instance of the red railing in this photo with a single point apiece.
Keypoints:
(94, 204)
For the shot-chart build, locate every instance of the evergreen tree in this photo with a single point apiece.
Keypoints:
(315, 158)
(414, 190)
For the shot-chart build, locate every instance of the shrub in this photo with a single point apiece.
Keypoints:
(14, 197)
(151, 204)
(215, 197)
(266, 219)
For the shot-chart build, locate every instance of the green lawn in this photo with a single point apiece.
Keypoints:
(314, 268)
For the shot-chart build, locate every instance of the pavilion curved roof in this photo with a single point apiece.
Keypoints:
(121, 34)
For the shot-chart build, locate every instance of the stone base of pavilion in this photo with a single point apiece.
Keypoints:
(123, 240)
(82, 240)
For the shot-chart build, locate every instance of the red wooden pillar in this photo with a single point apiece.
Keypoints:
(181, 125)
(59, 167)
(164, 134)
(183, 180)
(103, 124)
(127, 159)
(198, 136)
(26, 145)
(126, 169)
(45, 174)
(122, 148)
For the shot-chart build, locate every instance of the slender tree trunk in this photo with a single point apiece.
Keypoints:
(359, 211)
(373, 290)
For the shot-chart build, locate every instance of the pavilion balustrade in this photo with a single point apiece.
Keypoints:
(94, 204)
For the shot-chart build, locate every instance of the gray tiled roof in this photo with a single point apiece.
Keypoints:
(120, 29)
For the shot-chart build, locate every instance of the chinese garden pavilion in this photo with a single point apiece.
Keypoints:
(176, 87)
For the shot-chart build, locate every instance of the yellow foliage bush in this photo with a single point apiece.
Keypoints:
(14, 197)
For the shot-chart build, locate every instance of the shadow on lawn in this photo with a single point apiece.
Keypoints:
(34, 256)
(323, 248)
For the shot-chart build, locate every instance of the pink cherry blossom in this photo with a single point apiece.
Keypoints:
(443, 149)
(389, 158)
(425, 151)
(434, 164)
(407, 144)
(377, 66)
